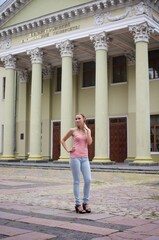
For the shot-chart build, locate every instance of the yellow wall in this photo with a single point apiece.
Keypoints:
(154, 106)
(2, 74)
(118, 99)
(154, 96)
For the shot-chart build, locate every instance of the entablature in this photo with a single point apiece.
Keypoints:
(93, 8)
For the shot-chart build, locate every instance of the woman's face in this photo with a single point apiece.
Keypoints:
(79, 120)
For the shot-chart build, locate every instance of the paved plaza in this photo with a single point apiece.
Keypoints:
(38, 204)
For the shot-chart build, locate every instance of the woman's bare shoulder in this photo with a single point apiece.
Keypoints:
(73, 129)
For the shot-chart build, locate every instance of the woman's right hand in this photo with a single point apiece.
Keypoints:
(71, 150)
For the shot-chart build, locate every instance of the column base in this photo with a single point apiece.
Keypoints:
(21, 157)
(63, 159)
(143, 162)
(34, 159)
(129, 160)
(46, 158)
(8, 158)
(102, 160)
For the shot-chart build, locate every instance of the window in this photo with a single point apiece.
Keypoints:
(88, 74)
(154, 133)
(154, 64)
(4, 88)
(58, 79)
(119, 69)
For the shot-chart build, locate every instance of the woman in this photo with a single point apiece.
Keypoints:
(79, 162)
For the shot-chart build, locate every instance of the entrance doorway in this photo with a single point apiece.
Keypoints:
(56, 141)
(118, 139)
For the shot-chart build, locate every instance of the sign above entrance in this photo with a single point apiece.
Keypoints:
(50, 32)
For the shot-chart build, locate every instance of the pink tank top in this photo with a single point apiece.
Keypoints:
(80, 145)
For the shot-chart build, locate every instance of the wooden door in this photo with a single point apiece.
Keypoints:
(90, 124)
(118, 139)
(56, 141)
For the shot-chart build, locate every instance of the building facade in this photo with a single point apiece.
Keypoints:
(58, 58)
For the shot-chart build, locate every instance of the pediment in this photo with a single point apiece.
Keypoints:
(14, 12)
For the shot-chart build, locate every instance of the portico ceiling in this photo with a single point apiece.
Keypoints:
(121, 43)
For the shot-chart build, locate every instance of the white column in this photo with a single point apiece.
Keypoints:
(75, 85)
(131, 126)
(22, 115)
(35, 118)
(66, 51)
(101, 98)
(46, 111)
(141, 34)
(9, 120)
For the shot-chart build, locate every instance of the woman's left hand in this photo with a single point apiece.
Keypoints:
(86, 128)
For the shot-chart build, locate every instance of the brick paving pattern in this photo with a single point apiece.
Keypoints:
(38, 204)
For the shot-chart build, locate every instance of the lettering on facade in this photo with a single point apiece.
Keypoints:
(50, 32)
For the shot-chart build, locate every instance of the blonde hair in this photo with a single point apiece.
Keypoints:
(84, 117)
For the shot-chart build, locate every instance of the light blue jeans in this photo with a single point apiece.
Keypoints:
(79, 165)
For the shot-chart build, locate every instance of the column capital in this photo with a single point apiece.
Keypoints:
(141, 32)
(65, 48)
(100, 41)
(130, 56)
(46, 72)
(9, 61)
(23, 76)
(75, 67)
(35, 55)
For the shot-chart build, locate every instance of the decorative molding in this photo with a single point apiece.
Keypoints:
(5, 43)
(35, 55)
(99, 19)
(118, 17)
(46, 72)
(100, 41)
(75, 67)
(10, 8)
(9, 61)
(51, 19)
(84, 10)
(141, 32)
(155, 17)
(142, 8)
(65, 48)
(23, 76)
(130, 56)
(139, 9)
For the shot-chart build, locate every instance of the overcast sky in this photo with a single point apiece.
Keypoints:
(2, 1)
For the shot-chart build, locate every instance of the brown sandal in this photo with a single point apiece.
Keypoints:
(86, 208)
(79, 209)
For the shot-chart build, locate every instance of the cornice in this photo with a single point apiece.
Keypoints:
(84, 10)
(10, 8)
(42, 43)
